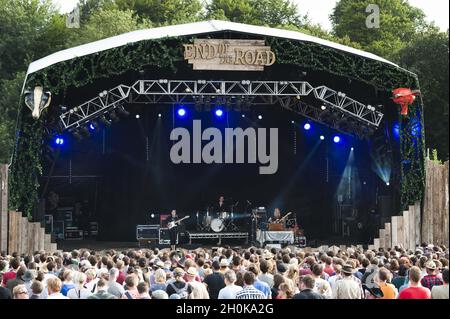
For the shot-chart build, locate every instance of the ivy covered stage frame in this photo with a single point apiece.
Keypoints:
(166, 54)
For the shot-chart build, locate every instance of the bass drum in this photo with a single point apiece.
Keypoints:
(217, 225)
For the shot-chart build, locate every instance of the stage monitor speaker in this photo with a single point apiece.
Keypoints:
(164, 237)
(147, 232)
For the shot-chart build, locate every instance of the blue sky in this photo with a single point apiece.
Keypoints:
(319, 10)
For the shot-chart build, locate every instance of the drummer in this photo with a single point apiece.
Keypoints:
(220, 206)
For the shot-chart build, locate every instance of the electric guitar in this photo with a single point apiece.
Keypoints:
(171, 225)
(280, 220)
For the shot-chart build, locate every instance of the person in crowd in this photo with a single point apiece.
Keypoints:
(28, 278)
(18, 280)
(199, 290)
(383, 280)
(67, 283)
(20, 292)
(215, 281)
(159, 294)
(249, 291)
(431, 279)
(261, 285)
(102, 291)
(54, 286)
(230, 291)
(160, 279)
(337, 275)
(307, 284)
(143, 290)
(441, 291)
(114, 287)
(79, 292)
(285, 291)
(347, 287)
(14, 265)
(36, 289)
(178, 286)
(415, 290)
(401, 276)
(321, 286)
(131, 292)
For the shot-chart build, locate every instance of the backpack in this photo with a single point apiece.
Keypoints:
(182, 292)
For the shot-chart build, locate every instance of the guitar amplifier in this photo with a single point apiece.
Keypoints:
(164, 237)
(301, 241)
(147, 232)
(73, 233)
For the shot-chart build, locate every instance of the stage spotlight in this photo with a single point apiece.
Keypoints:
(77, 135)
(59, 141)
(219, 112)
(113, 116)
(123, 112)
(152, 215)
(181, 112)
(387, 184)
(138, 116)
(323, 107)
(307, 126)
(292, 122)
(93, 126)
(159, 115)
(322, 137)
(336, 139)
(105, 121)
(85, 131)
(351, 149)
(259, 117)
(243, 115)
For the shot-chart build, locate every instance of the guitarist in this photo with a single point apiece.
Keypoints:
(173, 231)
(277, 218)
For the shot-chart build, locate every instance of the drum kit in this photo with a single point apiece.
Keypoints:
(222, 221)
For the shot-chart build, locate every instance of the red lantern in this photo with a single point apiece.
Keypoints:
(404, 97)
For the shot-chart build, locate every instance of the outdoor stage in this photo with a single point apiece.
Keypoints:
(267, 118)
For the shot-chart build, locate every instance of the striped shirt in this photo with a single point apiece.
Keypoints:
(250, 292)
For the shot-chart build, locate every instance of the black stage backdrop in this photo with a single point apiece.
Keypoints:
(123, 174)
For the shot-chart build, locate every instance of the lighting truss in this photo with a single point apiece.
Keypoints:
(345, 110)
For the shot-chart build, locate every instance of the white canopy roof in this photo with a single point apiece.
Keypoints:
(182, 30)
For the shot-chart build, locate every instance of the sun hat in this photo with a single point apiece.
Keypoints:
(430, 265)
(347, 269)
(192, 271)
(28, 275)
(224, 263)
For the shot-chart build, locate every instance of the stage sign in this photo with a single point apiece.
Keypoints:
(232, 55)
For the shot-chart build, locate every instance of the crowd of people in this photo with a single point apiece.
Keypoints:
(227, 273)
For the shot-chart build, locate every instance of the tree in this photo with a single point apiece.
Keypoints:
(9, 103)
(259, 12)
(164, 12)
(398, 25)
(30, 29)
(106, 23)
(427, 56)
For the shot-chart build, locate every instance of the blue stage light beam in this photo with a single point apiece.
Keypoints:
(307, 126)
(218, 112)
(337, 139)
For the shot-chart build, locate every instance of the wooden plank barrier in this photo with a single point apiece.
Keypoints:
(387, 237)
